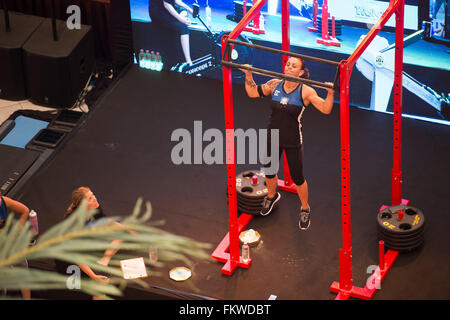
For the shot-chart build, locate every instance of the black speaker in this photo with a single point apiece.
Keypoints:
(58, 70)
(12, 73)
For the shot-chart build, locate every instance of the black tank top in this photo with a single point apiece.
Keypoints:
(287, 110)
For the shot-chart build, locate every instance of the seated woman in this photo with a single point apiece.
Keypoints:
(9, 205)
(77, 197)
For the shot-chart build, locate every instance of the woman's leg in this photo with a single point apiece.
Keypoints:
(302, 191)
(186, 48)
(295, 161)
(271, 184)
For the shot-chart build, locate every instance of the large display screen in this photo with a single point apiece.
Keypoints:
(185, 36)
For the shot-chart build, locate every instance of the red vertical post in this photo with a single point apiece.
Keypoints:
(398, 90)
(325, 16)
(286, 46)
(381, 255)
(231, 167)
(315, 13)
(345, 254)
(333, 28)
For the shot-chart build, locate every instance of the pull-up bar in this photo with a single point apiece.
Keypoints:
(277, 75)
(287, 53)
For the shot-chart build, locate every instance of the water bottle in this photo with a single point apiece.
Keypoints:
(153, 61)
(142, 59)
(34, 222)
(245, 252)
(208, 14)
(147, 59)
(134, 58)
(261, 22)
(159, 64)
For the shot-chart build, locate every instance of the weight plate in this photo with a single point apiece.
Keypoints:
(390, 239)
(396, 237)
(404, 247)
(244, 195)
(243, 206)
(248, 211)
(251, 202)
(251, 198)
(402, 235)
(248, 190)
(413, 220)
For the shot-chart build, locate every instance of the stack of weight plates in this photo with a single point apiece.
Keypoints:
(404, 234)
(337, 26)
(238, 13)
(251, 190)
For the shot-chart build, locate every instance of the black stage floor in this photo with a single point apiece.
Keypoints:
(123, 151)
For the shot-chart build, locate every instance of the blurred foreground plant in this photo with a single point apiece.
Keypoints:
(72, 241)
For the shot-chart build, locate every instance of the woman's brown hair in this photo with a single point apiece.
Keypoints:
(77, 196)
(305, 74)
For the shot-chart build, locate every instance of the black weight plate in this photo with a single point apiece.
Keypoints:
(246, 189)
(256, 212)
(410, 233)
(401, 235)
(249, 200)
(391, 240)
(245, 207)
(413, 220)
(403, 247)
(403, 238)
(245, 196)
(249, 206)
(401, 243)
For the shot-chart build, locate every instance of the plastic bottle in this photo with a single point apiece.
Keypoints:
(208, 15)
(159, 64)
(34, 222)
(147, 59)
(245, 252)
(261, 22)
(142, 59)
(153, 61)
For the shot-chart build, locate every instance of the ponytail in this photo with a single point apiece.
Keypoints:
(305, 74)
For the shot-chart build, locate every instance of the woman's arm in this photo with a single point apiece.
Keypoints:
(323, 105)
(86, 269)
(182, 4)
(252, 89)
(174, 13)
(18, 208)
(250, 85)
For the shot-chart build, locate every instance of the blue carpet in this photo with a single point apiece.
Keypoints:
(25, 129)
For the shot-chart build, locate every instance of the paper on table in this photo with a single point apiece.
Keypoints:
(133, 268)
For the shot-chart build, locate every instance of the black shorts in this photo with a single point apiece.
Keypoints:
(166, 21)
(294, 156)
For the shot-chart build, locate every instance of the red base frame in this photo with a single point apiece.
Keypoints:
(221, 252)
(373, 283)
(329, 42)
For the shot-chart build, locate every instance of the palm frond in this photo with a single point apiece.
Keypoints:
(73, 242)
